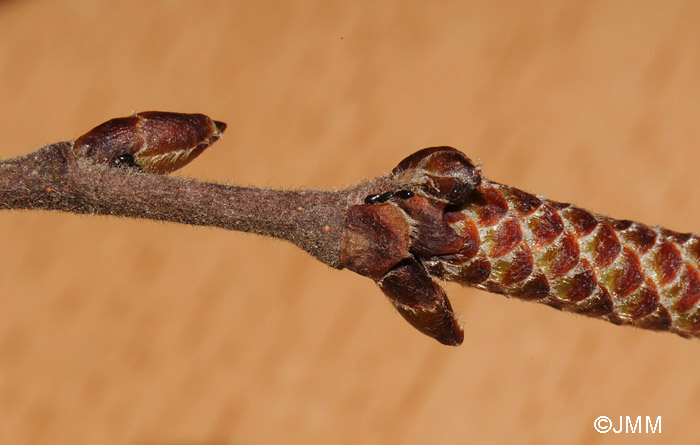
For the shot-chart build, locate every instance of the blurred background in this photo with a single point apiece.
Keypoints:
(125, 331)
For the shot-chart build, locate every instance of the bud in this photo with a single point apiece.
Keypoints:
(422, 302)
(154, 141)
(443, 173)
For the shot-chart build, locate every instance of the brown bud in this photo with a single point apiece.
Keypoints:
(155, 141)
(422, 302)
(444, 173)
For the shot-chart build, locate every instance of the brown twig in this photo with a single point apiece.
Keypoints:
(53, 178)
(434, 217)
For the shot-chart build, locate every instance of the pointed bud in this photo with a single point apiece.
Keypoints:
(422, 302)
(154, 141)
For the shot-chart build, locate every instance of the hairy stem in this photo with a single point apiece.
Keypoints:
(53, 178)
(434, 217)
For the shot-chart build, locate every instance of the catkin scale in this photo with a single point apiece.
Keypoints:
(578, 261)
(479, 233)
(159, 142)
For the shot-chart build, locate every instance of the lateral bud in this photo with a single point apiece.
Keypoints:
(422, 302)
(153, 141)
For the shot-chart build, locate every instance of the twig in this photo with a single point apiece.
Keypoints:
(52, 178)
(434, 217)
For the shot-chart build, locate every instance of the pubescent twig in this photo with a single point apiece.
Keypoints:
(434, 217)
(53, 178)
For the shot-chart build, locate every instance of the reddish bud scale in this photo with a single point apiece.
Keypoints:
(157, 142)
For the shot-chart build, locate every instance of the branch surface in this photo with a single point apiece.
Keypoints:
(434, 217)
(53, 178)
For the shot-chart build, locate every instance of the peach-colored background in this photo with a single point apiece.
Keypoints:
(124, 331)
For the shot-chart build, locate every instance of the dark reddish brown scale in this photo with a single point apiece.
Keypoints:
(643, 303)
(454, 218)
(431, 235)
(535, 288)
(621, 224)
(614, 319)
(582, 221)
(168, 133)
(690, 282)
(468, 251)
(582, 284)
(641, 237)
(628, 274)
(558, 205)
(546, 226)
(521, 266)
(676, 237)
(523, 203)
(494, 287)
(421, 301)
(566, 256)
(99, 142)
(597, 305)
(493, 206)
(454, 259)
(606, 246)
(507, 236)
(377, 238)
(554, 303)
(668, 261)
(467, 229)
(660, 320)
(477, 271)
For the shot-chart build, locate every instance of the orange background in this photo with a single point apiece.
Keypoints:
(124, 331)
